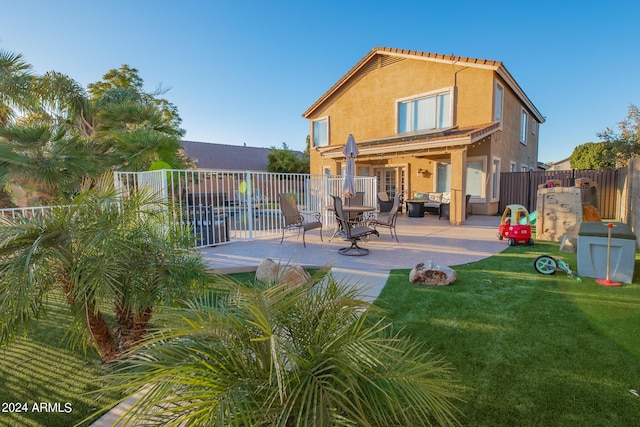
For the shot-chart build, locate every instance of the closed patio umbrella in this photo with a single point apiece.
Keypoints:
(351, 152)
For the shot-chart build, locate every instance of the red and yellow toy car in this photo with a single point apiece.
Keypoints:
(515, 225)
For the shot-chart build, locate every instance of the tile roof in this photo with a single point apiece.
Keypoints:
(417, 141)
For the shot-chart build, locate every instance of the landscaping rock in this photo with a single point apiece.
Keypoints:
(429, 273)
(290, 275)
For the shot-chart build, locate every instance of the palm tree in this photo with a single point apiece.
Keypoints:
(46, 161)
(276, 356)
(133, 135)
(103, 254)
(117, 126)
(15, 80)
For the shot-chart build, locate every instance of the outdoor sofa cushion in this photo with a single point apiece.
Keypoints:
(433, 198)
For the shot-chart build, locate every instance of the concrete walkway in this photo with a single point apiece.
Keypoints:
(421, 239)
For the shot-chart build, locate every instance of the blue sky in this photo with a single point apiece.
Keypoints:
(245, 71)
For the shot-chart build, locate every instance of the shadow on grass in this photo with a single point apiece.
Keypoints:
(44, 383)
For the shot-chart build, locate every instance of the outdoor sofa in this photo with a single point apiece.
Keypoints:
(433, 200)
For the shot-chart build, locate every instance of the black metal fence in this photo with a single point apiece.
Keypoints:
(522, 187)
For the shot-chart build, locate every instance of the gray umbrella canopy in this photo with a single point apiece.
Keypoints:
(351, 152)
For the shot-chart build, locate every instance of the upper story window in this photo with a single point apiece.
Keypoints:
(321, 132)
(498, 102)
(430, 111)
(523, 126)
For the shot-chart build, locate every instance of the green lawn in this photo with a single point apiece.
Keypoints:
(44, 383)
(529, 349)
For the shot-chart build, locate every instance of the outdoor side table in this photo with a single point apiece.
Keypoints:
(415, 208)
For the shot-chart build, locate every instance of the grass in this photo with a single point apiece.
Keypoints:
(529, 349)
(41, 369)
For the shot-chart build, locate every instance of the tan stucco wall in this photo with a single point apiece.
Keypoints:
(366, 107)
(507, 143)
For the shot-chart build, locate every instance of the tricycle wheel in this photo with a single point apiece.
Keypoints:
(545, 264)
(511, 241)
(530, 242)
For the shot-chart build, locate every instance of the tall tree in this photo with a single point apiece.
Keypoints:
(135, 128)
(101, 253)
(284, 160)
(626, 142)
(593, 155)
(125, 85)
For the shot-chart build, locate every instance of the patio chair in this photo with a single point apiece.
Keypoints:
(292, 218)
(390, 218)
(384, 203)
(352, 232)
(355, 218)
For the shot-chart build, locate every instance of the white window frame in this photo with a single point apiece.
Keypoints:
(524, 168)
(524, 127)
(513, 166)
(313, 136)
(483, 191)
(495, 178)
(498, 108)
(433, 93)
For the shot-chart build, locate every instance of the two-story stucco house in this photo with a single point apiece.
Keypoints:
(425, 123)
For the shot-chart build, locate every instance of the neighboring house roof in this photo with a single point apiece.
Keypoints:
(226, 157)
(391, 53)
(543, 166)
(564, 164)
(417, 141)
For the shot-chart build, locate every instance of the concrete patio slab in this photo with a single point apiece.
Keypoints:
(421, 239)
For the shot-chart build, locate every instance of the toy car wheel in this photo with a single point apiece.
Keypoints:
(511, 241)
(530, 242)
(544, 264)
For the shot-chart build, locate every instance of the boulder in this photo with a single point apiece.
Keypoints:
(290, 275)
(429, 273)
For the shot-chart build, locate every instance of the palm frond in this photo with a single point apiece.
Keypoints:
(312, 355)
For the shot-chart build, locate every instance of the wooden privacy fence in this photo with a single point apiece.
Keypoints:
(522, 187)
